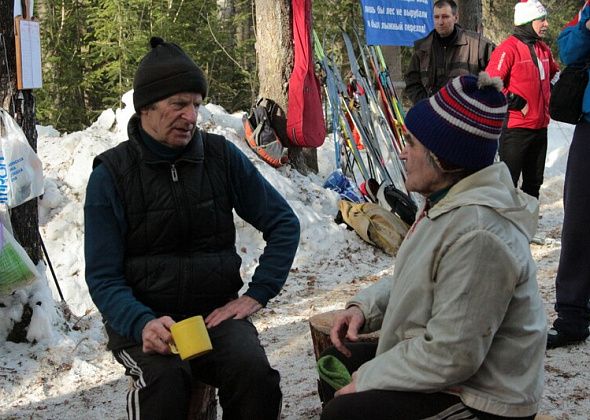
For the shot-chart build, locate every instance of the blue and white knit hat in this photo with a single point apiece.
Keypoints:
(462, 122)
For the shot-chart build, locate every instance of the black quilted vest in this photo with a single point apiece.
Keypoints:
(180, 257)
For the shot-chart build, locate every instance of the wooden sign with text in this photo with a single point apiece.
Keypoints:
(27, 37)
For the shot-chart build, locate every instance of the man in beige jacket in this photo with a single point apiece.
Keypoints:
(462, 323)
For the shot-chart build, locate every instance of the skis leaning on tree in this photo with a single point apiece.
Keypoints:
(366, 118)
(348, 157)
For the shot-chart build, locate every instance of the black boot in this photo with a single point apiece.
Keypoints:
(556, 338)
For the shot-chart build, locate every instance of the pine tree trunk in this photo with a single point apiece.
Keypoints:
(274, 49)
(21, 105)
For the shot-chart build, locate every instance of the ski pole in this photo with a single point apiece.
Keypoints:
(51, 268)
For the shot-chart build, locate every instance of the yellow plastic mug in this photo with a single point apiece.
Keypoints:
(191, 338)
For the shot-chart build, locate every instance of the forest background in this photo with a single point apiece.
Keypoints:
(91, 48)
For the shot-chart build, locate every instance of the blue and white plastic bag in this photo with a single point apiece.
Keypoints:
(21, 171)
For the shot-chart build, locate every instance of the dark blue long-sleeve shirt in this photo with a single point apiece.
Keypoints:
(574, 48)
(255, 201)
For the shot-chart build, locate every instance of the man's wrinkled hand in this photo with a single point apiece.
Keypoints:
(156, 335)
(346, 325)
(240, 308)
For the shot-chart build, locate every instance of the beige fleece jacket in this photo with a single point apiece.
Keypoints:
(462, 313)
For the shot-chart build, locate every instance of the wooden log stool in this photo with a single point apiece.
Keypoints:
(320, 326)
(202, 405)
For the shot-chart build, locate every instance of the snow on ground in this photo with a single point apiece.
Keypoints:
(68, 370)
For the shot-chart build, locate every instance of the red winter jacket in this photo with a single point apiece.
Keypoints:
(512, 62)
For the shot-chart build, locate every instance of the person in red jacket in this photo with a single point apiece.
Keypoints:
(526, 66)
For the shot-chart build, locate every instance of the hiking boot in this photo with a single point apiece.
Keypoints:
(557, 338)
(538, 239)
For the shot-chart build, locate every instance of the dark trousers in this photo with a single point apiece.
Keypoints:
(248, 387)
(391, 405)
(524, 151)
(573, 273)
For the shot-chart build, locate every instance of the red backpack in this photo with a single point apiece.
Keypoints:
(305, 117)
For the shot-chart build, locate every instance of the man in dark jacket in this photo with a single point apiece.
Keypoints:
(446, 52)
(526, 66)
(160, 247)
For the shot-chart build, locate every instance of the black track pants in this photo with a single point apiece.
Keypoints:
(248, 387)
(524, 151)
(391, 405)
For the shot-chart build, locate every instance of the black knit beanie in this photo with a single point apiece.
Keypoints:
(164, 71)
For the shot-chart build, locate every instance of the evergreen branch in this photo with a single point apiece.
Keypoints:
(178, 11)
(222, 47)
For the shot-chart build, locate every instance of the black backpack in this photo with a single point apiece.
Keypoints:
(265, 132)
(567, 95)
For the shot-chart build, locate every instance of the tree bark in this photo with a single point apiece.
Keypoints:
(274, 49)
(470, 14)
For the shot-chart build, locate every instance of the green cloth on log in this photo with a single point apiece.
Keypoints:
(333, 372)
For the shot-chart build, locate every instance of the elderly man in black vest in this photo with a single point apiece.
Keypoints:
(160, 247)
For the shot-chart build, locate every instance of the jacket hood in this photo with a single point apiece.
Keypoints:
(492, 187)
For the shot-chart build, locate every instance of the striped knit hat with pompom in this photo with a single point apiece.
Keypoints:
(461, 123)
